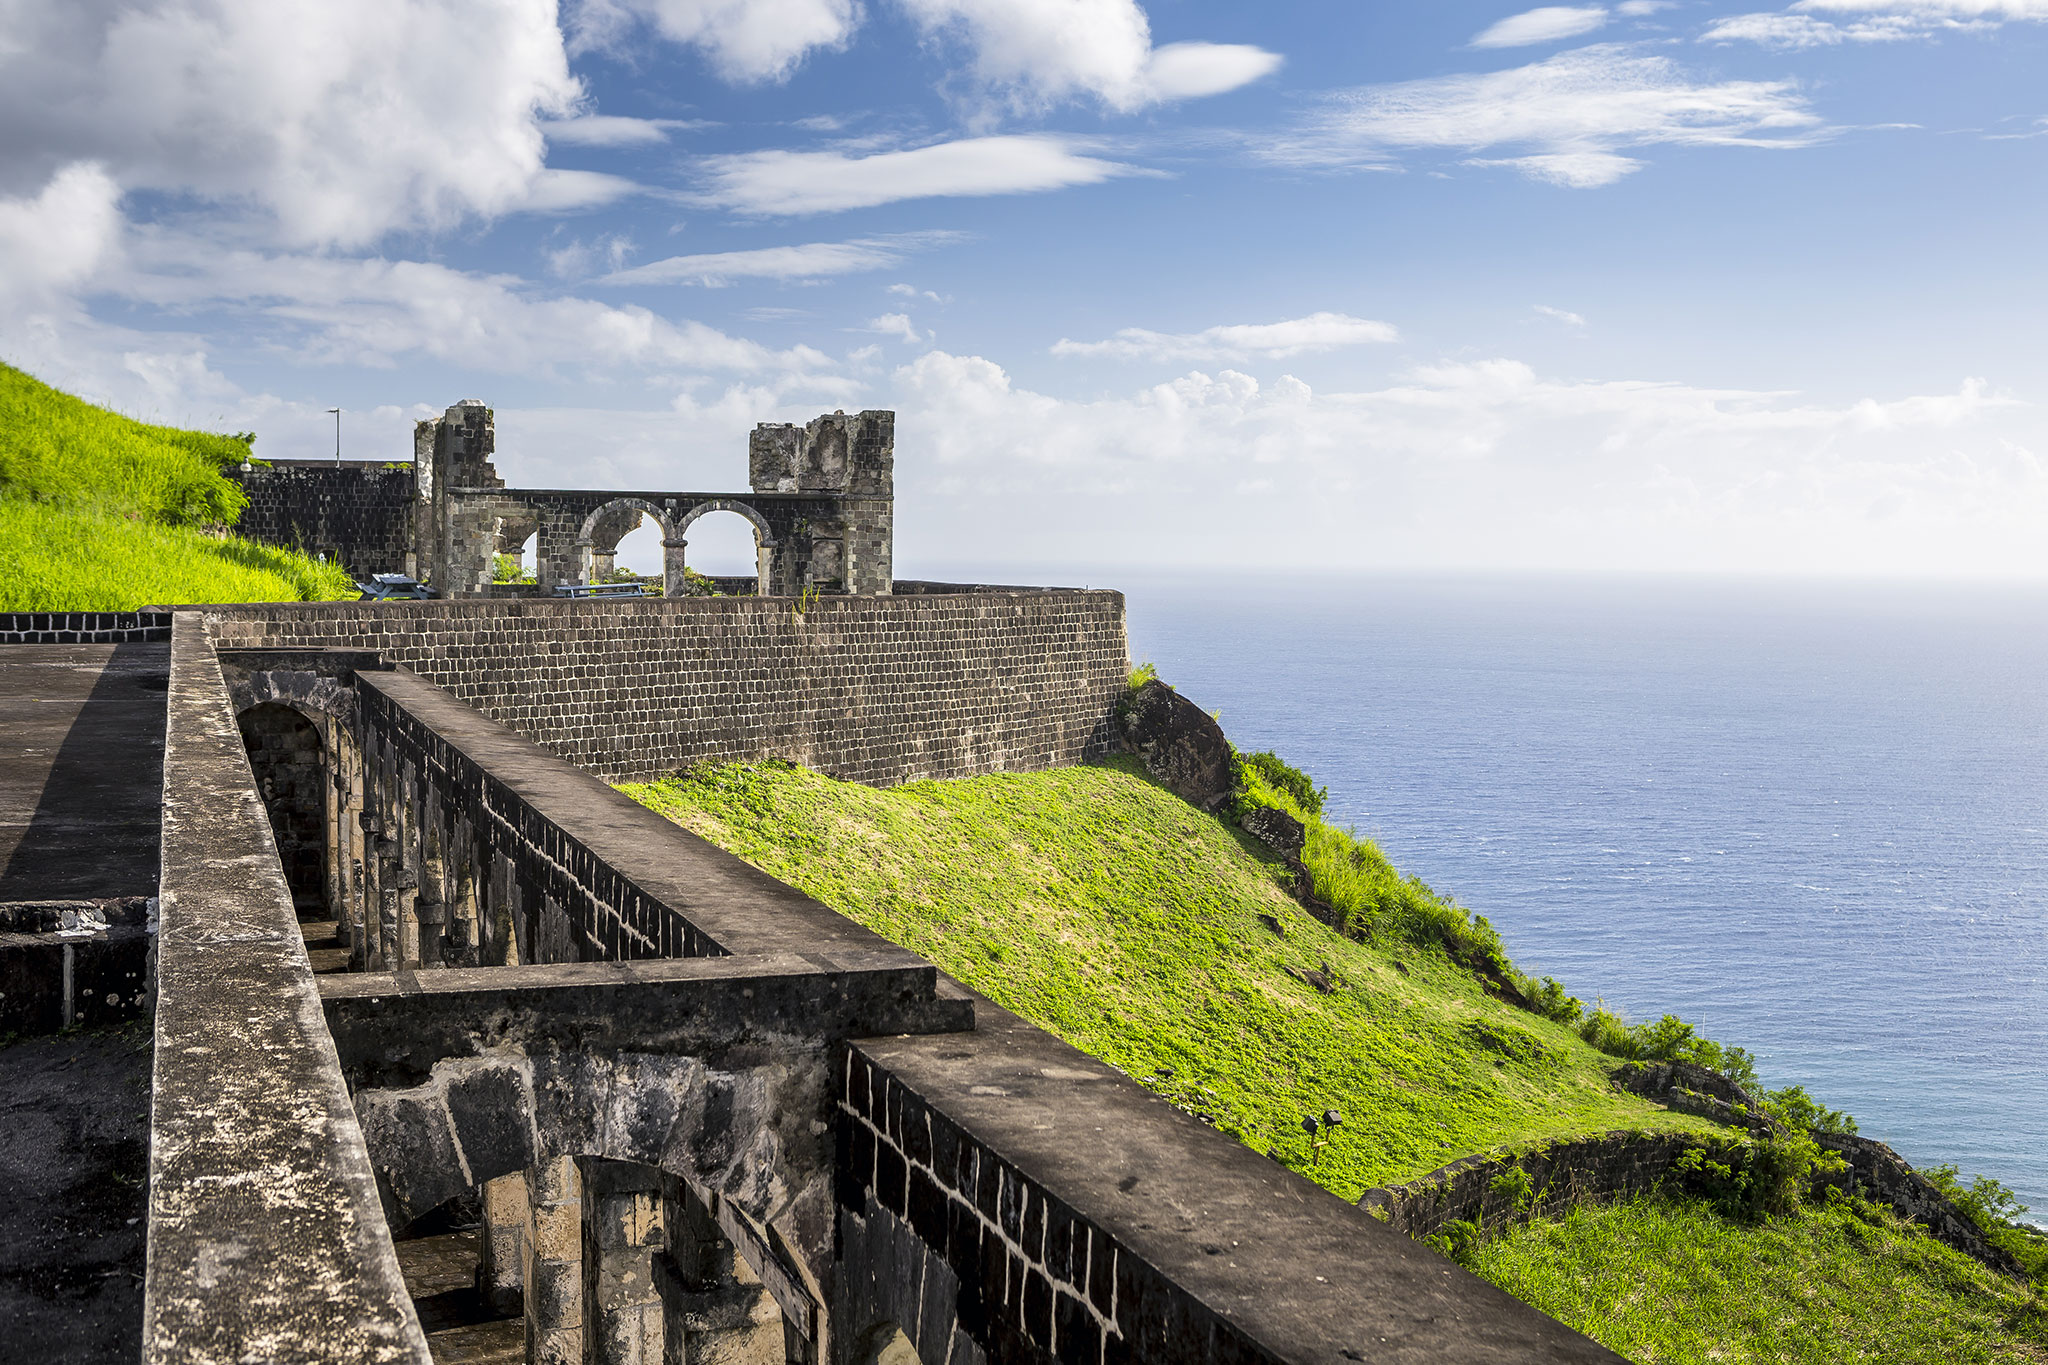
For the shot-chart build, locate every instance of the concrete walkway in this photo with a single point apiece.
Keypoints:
(81, 770)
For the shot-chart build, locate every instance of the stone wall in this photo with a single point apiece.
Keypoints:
(1561, 1174)
(84, 627)
(874, 689)
(358, 512)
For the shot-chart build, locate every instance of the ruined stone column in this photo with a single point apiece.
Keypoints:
(501, 1245)
(622, 1234)
(552, 1264)
(673, 583)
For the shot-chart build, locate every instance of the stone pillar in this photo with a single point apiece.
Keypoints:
(622, 1234)
(552, 1264)
(673, 583)
(501, 1245)
(714, 1310)
(433, 897)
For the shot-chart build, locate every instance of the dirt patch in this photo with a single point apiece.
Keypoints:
(74, 1182)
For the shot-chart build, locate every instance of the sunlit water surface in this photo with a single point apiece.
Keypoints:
(1810, 819)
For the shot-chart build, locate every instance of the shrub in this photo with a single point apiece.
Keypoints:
(1549, 999)
(1516, 1186)
(1459, 1240)
(1760, 1180)
(1669, 1039)
(1996, 1211)
(1140, 674)
(1794, 1107)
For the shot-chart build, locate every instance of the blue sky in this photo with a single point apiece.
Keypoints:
(1630, 287)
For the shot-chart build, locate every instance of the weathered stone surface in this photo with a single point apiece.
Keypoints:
(492, 1116)
(1879, 1174)
(1276, 829)
(1181, 744)
(1694, 1089)
(266, 1238)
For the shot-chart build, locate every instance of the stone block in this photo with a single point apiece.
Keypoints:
(489, 1108)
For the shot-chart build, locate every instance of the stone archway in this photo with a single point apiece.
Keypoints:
(764, 542)
(598, 538)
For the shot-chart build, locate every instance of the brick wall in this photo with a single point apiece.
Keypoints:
(879, 690)
(359, 513)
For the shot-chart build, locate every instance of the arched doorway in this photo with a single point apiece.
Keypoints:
(289, 761)
(617, 521)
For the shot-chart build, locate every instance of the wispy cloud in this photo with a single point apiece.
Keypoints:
(1569, 319)
(1869, 21)
(784, 183)
(1549, 24)
(612, 130)
(1569, 119)
(1317, 332)
(746, 43)
(810, 261)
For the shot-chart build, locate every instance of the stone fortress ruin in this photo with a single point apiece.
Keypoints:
(821, 510)
(462, 1055)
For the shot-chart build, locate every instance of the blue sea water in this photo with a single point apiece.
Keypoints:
(1810, 819)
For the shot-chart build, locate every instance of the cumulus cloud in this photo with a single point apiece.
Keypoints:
(787, 183)
(54, 241)
(1032, 54)
(746, 41)
(1479, 463)
(1317, 332)
(342, 122)
(811, 261)
(896, 325)
(1568, 119)
(1549, 24)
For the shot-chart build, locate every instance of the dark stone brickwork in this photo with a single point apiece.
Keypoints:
(878, 689)
(358, 512)
(1561, 1174)
(83, 627)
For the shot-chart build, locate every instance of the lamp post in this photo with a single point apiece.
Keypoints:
(337, 434)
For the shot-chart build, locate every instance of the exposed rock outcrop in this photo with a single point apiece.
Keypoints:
(1276, 829)
(1182, 746)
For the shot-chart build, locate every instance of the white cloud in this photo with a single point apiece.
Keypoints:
(1959, 11)
(1565, 316)
(1476, 464)
(612, 130)
(1794, 31)
(746, 41)
(811, 261)
(1037, 53)
(1641, 9)
(1550, 24)
(342, 122)
(579, 258)
(1317, 332)
(1874, 21)
(1574, 113)
(55, 241)
(896, 325)
(375, 312)
(782, 182)
(911, 291)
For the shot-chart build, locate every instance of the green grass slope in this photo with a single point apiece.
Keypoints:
(99, 512)
(1101, 907)
(1666, 1282)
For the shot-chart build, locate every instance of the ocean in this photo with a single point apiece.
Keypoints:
(1810, 819)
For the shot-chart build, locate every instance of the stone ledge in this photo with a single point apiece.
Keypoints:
(266, 1237)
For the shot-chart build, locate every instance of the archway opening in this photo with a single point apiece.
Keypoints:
(517, 562)
(639, 550)
(289, 761)
(725, 548)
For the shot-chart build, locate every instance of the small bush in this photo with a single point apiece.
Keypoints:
(1669, 1039)
(1760, 1180)
(1459, 1240)
(1549, 999)
(1996, 1211)
(509, 569)
(1140, 674)
(1795, 1108)
(1280, 775)
(1516, 1186)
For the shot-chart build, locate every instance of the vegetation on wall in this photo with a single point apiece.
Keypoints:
(99, 512)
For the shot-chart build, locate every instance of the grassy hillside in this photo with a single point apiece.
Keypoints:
(1100, 906)
(1105, 909)
(1673, 1281)
(102, 513)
